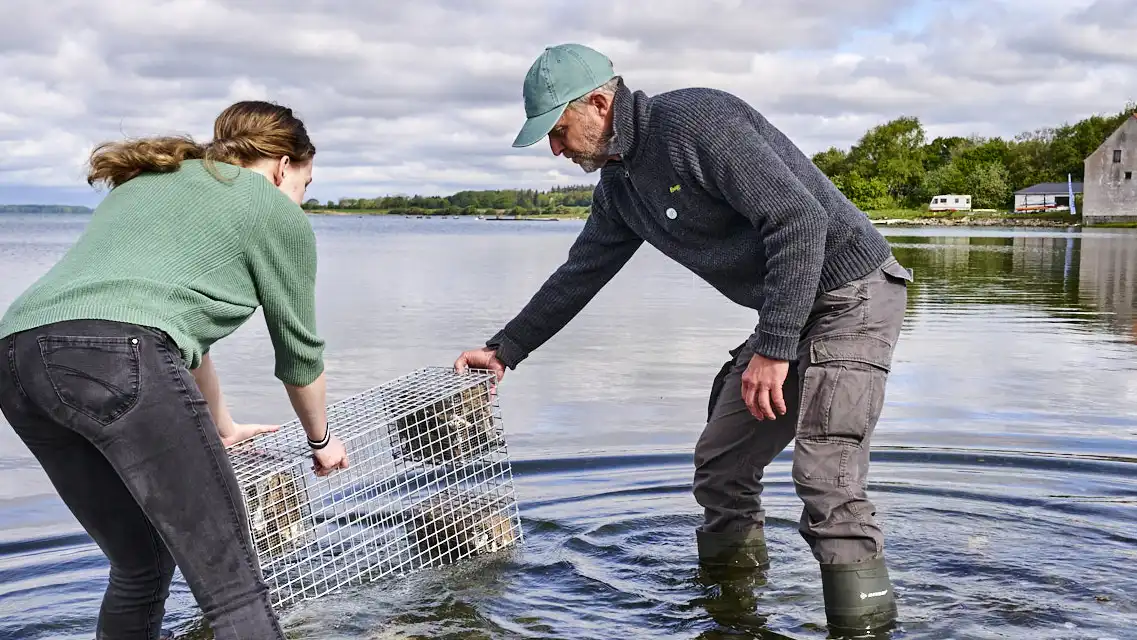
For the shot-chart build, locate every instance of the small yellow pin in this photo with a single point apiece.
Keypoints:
(674, 188)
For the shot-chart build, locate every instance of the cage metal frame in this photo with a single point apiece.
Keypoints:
(429, 483)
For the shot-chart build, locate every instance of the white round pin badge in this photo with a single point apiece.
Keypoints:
(671, 213)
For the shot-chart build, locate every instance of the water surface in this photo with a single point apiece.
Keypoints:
(1004, 467)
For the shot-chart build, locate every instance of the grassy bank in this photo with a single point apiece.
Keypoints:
(1114, 225)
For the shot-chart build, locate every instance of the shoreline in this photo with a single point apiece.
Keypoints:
(888, 218)
(882, 218)
(977, 222)
(486, 215)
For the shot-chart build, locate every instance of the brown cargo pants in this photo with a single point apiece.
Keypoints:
(834, 393)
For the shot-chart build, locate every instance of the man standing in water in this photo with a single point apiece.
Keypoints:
(712, 184)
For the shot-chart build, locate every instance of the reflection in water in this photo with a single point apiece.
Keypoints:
(731, 598)
(1108, 278)
(1004, 467)
(1093, 274)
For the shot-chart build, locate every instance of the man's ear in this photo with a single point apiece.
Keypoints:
(602, 103)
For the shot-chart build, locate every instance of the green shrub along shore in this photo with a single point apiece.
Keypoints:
(559, 202)
(514, 213)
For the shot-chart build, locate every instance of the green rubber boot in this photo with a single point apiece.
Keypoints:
(858, 597)
(740, 550)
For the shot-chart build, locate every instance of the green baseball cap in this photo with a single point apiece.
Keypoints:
(560, 75)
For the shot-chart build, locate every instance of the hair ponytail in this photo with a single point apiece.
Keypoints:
(243, 134)
(113, 163)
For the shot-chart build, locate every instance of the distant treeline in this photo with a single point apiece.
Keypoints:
(518, 201)
(42, 208)
(893, 165)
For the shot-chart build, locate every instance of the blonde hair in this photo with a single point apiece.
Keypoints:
(243, 133)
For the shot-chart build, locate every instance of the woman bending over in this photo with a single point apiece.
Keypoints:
(105, 371)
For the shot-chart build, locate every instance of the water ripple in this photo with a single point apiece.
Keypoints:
(1004, 470)
(620, 561)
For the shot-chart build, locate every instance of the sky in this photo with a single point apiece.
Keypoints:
(425, 97)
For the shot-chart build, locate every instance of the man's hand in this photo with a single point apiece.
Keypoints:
(242, 432)
(762, 387)
(484, 358)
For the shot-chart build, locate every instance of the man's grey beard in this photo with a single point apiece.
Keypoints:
(593, 163)
(590, 165)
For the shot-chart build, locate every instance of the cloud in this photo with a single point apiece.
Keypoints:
(1103, 32)
(424, 97)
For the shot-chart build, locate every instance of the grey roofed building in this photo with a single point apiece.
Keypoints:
(1045, 196)
(1050, 189)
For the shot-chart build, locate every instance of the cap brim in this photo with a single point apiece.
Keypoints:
(538, 127)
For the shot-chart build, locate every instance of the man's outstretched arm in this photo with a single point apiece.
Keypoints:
(603, 247)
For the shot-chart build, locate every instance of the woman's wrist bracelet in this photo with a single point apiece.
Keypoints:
(324, 442)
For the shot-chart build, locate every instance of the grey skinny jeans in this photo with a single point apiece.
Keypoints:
(834, 393)
(117, 422)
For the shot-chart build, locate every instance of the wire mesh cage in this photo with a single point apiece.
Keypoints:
(429, 483)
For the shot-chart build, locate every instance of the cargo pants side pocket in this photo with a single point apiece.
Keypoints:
(843, 390)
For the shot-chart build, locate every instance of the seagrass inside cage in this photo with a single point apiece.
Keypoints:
(452, 525)
(277, 505)
(456, 427)
(429, 482)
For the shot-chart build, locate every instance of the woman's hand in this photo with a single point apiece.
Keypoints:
(242, 432)
(331, 457)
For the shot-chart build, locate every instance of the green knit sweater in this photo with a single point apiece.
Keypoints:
(195, 257)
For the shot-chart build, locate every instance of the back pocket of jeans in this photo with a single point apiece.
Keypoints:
(96, 376)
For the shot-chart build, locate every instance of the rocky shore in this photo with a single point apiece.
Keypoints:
(977, 221)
